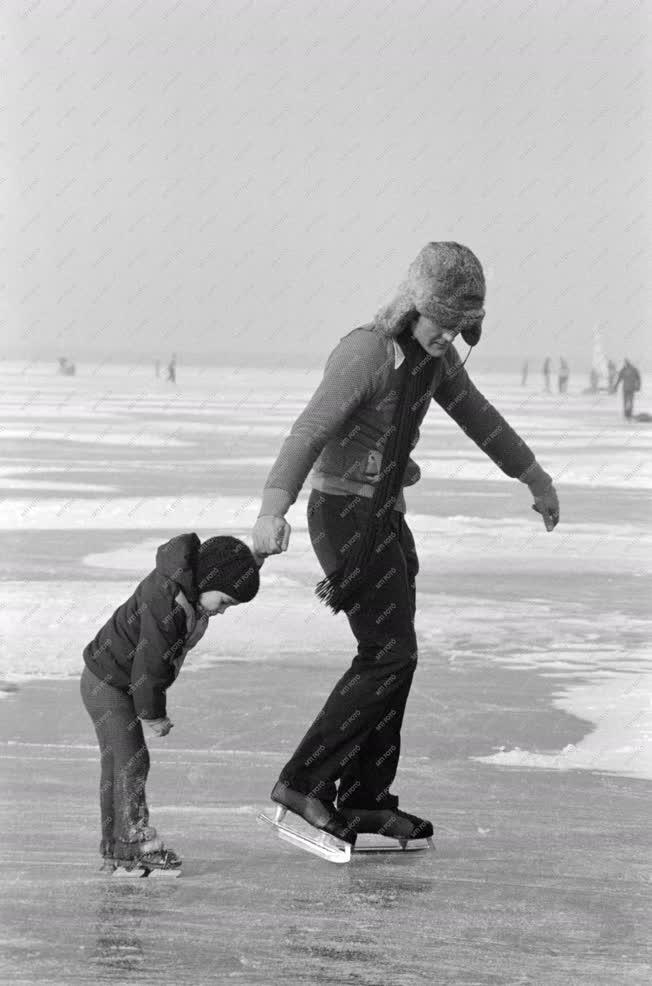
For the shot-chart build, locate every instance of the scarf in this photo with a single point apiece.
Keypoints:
(343, 587)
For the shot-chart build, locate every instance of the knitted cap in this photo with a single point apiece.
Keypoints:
(446, 283)
(226, 564)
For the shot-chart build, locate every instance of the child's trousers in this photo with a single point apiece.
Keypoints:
(125, 764)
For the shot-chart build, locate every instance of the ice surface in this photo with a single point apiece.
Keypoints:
(526, 737)
(494, 588)
(621, 742)
(88, 435)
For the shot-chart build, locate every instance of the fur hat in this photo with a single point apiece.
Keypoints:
(226, 564)
(445, 282)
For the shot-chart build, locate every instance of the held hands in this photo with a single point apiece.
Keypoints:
(547, 504)
(157, 727)
(271, 536)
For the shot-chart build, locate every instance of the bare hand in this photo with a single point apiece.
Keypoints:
(271, 536)
(548, 506)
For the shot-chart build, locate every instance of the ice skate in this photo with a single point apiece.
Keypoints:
(144, 859)
(108, 865)
(106, 852)
(393, 830)
(313, 825)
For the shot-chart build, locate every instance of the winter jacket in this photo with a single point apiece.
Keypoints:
(343, 430)
(140, 650)
(630, 377)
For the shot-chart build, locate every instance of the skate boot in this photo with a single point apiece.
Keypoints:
(391, 823)
(146, 857)
(320, 814)
(108, 859)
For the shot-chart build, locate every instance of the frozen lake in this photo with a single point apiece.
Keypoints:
(527, 735)
(99, 468)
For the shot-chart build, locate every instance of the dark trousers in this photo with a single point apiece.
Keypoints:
(628, 402)
(356, 738)
(124, 762)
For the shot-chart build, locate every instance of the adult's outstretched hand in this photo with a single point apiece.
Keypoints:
(547, 505)
(270, 536)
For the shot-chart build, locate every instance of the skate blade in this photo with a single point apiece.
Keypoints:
(377, 844)
(169, 874)
(143, 873)
(307, 837)
(122, 873)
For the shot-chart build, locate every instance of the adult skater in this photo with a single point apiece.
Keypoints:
(131, 663)
(564, 373)
(547, 369)
(631, 381)
(357, 431)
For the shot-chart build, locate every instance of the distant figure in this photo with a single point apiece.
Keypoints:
(524, 374)
(172, 369)
(611, 375)
(594, 380)
(564, 374)
(546, 373)
(66, 367)
(631, 379)
(157, 368)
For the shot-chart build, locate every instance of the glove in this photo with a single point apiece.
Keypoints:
(157, 727)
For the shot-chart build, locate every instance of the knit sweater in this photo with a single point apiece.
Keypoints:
(342, 432)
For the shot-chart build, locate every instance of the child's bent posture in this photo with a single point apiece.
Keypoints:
(130, 664)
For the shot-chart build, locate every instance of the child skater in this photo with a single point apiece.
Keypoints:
(131, 663)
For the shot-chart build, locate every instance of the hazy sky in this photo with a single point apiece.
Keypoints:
(249, 179)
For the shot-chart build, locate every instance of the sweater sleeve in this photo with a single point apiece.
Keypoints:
(476, 416)
(349, 378)
(153, 669)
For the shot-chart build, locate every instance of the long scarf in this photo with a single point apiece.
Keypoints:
(343, 587)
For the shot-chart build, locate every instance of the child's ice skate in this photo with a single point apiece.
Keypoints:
(108, 861)
(108, 865)
(390, 826)
(149, 857)
(314, 825)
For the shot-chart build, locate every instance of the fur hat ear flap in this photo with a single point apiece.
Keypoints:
(391, 318)
(472, 335)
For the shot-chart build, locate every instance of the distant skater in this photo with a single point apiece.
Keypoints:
(132, 662)
(356, 433)
(524, 372)
(631, 381)
(66, 366)
(563, 376)
(612, 373)
(172, 370)
(547, 369)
